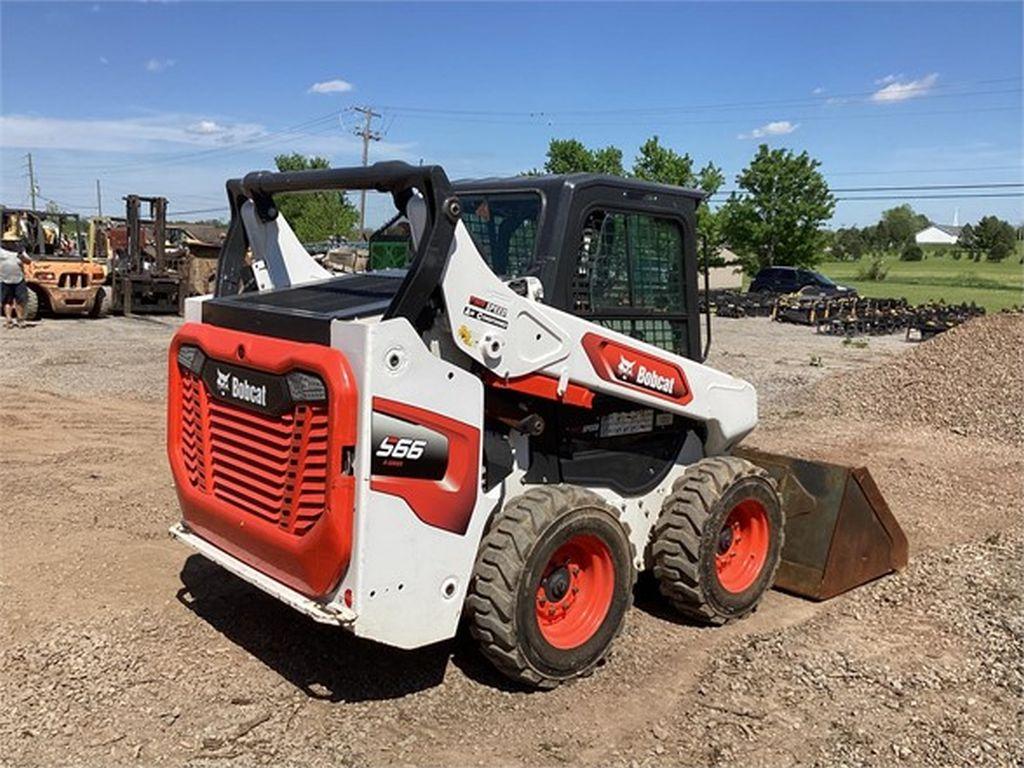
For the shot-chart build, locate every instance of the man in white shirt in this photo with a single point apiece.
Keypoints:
(13, 289)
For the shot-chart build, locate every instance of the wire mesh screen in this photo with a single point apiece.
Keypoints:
(670, 335)
(504, 228)
(631, 265)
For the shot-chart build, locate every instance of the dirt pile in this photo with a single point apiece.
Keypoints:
(969, 380)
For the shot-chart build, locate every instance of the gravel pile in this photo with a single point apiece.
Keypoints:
(969, 380)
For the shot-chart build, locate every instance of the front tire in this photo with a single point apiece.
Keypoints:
(718, 541)
(32, 306)
(552, 585)
(101, 304)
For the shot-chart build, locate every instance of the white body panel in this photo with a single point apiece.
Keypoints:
(541, 339)
(408, 578)
(278, 258)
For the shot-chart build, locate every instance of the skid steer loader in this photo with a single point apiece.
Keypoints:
(505, 432)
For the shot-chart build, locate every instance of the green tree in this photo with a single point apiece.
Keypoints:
(778, 215)
(314, 216)
(996, 237)
(572, 156)
(968, 240)
(911, 252)
(849, 244)
(663, 164)
(899, 225)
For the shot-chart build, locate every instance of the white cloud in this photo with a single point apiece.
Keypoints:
(181, 133)
(895, 88)
(157, 133)
(159, 65)
(331, 86)
(818, 91)
(206, 128)
(104, 60)
(775, 128)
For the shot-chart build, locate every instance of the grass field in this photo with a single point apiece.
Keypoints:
(994, 286)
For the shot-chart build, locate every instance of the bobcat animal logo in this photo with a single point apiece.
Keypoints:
(223, 381)
(626, 367)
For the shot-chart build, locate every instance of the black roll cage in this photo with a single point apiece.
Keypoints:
(400, 179)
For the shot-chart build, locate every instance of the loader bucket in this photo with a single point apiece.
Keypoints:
(840, 533)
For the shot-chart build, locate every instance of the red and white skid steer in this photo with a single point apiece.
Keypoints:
(507, 431)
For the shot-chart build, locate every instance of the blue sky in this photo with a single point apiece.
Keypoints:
(173, 98)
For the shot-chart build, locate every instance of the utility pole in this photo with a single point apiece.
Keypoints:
(99, 199)
(31, 181)
(367, 135)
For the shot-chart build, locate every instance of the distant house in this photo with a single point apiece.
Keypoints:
(729, 276)
(938, 234)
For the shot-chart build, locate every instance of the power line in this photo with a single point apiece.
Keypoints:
(933, 197)
(550, 122)
(827, 100)
(911, 188)
(198, 210)
(1019, 167)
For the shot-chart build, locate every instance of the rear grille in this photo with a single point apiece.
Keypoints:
(272, 467)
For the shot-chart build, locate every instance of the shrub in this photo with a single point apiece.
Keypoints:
(911, 252)
(956, 253)
(876, 270)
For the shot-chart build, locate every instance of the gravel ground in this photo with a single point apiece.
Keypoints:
(122, 649)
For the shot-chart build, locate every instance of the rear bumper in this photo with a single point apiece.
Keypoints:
(68, 301)
(325, 613)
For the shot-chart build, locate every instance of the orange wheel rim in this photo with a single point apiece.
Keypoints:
(575, 592)
(742, 548)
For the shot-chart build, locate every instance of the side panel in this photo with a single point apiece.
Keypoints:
(418, 521)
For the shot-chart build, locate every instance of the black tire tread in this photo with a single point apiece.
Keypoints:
(491, 602)
(101, 304)
(677, 534)
(33, 305)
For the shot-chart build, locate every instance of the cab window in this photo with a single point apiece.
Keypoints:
(629, 276)
(504, 229)
(631, 261)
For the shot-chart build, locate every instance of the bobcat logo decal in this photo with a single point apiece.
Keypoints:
(223, 382)
(626, 367)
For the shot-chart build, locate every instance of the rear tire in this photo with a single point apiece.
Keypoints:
(32, 304)
(552, 585)
(718, 541)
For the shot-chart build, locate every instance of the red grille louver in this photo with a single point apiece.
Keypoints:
(272, 490)
(272, 467)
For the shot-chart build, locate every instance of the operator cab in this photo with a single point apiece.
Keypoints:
(619, 252)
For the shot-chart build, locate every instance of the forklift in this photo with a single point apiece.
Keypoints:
(146, 276)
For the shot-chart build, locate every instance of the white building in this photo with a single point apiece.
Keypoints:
(729, 276)
(938, 234)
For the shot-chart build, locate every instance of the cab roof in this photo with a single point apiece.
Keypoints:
(552, 185)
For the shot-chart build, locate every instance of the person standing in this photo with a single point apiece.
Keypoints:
(13, 288)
